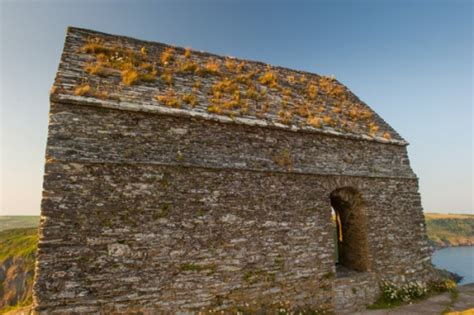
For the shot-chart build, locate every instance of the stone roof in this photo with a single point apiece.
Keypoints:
(119, 72)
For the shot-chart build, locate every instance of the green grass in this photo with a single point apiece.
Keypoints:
(14, 222)
(18, 243)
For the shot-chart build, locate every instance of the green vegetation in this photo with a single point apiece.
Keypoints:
(15, 222)
(18, 243)
(17, 251)
(393, 295)
(450, 229)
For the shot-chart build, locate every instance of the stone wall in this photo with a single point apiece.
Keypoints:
(144, 212)
(90, 134)
(354, 291)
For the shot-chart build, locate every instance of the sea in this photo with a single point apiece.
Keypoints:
(456, 259)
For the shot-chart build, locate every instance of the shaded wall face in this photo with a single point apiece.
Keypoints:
(88, 134)
(137, 215)
(351, 221)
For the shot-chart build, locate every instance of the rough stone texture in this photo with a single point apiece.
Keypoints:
(354, 289)
(79, 133)
(142, 97)
(154, 212)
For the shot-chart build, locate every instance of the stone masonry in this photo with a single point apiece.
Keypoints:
(154, 203)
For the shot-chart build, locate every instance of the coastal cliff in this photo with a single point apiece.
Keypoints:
(17, 260)
(445, 230)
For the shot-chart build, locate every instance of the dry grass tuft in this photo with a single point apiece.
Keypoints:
(332, 88)
(167, 77)
(302, 110)
(303, 79)
(170, 99)
(87, 90)
(312, 91)
(99, 69)
(83, 90)
(291, 79)
(314, 122)
(210, 67)
(96, 46)
(230, 64)
(187, 53)
(167, 56)
(269, 79)
(130, 76)
(285, 116)
(190, 99)
(241, 67)
(252, 93)
(225, 86)
(373, 128)
(214, 109)
(328, 120)
(133, 66)
(188, 66)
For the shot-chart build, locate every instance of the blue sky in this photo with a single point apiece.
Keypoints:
(409, 60)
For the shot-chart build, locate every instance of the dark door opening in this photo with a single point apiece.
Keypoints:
(351, 229)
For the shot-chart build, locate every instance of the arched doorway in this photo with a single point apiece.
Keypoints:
(351, 224)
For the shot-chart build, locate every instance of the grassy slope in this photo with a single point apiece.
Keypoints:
(18, 240)
(450, 229)
(18, 243)
(17, 257)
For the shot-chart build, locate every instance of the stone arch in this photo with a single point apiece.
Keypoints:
(352, 243)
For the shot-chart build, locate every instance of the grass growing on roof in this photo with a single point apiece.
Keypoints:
(134, 67)
(236, 88)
